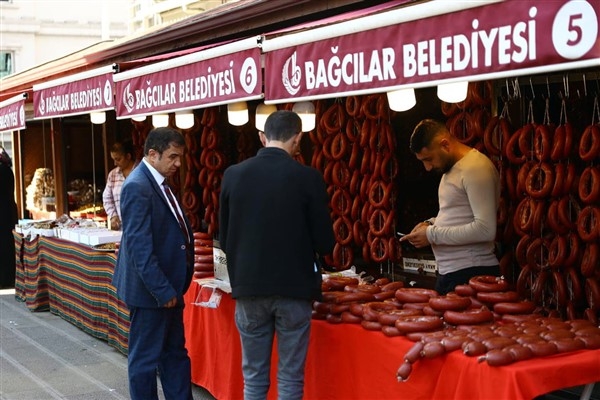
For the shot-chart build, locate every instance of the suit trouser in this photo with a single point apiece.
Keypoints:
(157, 342)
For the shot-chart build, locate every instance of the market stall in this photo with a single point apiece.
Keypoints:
(72, 280)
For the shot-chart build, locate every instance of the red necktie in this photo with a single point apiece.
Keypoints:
(173, 202)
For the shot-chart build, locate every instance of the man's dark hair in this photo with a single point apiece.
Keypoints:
(160, 139)
(424, 133)
(282, 125)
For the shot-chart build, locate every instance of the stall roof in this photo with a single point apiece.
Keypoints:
(12, 113)
(75, 94)
(214, 75)
(430, 43)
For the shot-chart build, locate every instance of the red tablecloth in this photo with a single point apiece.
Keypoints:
(347, 362)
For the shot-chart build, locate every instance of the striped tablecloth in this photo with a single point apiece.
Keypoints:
(73, 281)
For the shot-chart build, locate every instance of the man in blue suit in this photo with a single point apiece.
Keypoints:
(154, 269)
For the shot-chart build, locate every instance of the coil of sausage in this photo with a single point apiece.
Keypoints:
(468, 317)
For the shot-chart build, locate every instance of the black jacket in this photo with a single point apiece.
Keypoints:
(274, 217)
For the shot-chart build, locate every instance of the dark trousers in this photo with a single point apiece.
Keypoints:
(447, 282)
(157, 343)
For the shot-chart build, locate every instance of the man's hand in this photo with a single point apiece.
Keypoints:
(418, 236)
(171, 303)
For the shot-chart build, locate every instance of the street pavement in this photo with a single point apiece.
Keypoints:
(44, 357)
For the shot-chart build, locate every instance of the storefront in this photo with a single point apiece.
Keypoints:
(526, 66)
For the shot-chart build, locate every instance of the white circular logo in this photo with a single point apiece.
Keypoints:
(108, 94)
(291, 74)
(575, 29)
(249, 75)
(42, 105)
(21, 116)
(128, 100)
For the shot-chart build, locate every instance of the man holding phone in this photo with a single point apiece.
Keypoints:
(463, 232)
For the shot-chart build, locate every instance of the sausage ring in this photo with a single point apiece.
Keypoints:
(418, 323)
(339, 282)
(415, 295)
(379, 194)
(526, 140)
(372, 310)
(574, 285)
(558, 143)
(574, 246)
(448, 302)
(537, 254)
(353, 106)
(592, 293)
(381, 221)
(513, 153)
(588, 224)
(339, 146)
(342, 227)
(354, 153)
(541, 143)
(540, 181)
(340, 174)
(590, 260)
(340, 202)
(557, 252)
(497, 297)
(589, 185)
(525, 282)
(343, 256)
(589, 146)
(515, 307)
(468, 317)
(568, 212)
(488, 283)
(379, 250)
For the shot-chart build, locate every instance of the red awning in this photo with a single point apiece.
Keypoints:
(429, 43)
(216, 74)
(75, 94)
(12, 113)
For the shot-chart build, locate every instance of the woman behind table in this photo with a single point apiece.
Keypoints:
(124, 159)
(8, 219)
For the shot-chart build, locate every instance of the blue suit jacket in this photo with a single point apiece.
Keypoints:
(155, 259)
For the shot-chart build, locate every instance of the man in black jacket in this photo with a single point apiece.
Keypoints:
(274, 220)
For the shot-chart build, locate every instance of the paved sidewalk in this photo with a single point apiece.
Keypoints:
(44, 357)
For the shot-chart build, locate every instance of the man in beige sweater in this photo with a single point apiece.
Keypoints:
(462, 234)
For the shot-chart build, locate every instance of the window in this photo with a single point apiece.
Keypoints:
(6, 63)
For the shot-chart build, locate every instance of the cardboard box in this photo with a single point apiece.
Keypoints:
(421, 264)
(103, 236)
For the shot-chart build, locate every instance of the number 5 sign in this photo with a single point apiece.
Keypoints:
(575, 29)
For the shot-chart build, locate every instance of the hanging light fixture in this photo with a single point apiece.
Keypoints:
(454, 92)
(402, 99)
(160, 120)
(98, 117)
(262, 112)
(306, 111)
(237, 113)
(139, 118)
(184, 119)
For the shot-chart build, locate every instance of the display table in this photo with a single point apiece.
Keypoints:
(349, 362)
(73, 281)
